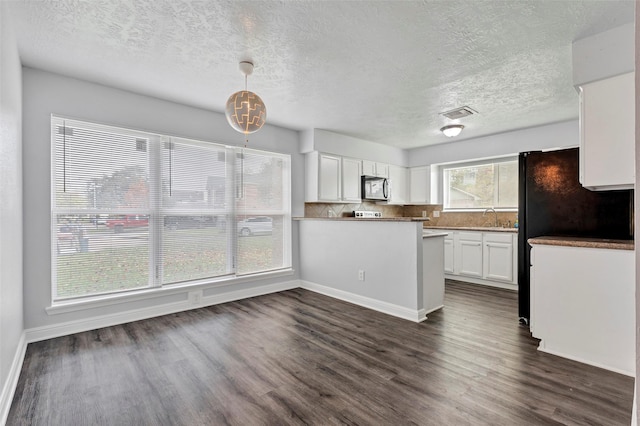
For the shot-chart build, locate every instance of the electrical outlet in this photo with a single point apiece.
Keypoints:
(436, 213)
(360, 275)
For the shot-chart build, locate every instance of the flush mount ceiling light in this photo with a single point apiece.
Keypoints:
(452, 130)
(245, 111)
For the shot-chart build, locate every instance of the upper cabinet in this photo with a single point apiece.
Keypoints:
(397, 185)
(420, 185)
(331, 178)
(607, 133)
(351, 173)
(371, 168)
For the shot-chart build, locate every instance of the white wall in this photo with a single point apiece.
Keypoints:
(603, 55)
(332, 253)
(551, 136)
(11, 323)
(45, 94)
(347, 146)
(557, 135)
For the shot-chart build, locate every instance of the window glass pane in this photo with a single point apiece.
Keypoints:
(100, 220)
(194, 247)
(95, 169)
(262, 177)
(100, 253)
(507, 190)
(130, 210)
(194, 215)
(481, 186)
(470, 187)
(263, 212)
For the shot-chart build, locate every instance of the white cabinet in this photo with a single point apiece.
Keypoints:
(607, 133)
(351, 173)
(449, 254)
(331, 178)
(371, 168)
(489, 258)
(468, 254)
(420, 185)
(397, 185)
(583, 304)
(497, 257)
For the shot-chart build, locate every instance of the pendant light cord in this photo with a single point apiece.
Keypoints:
(246, 135)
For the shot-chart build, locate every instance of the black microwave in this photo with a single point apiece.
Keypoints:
(375, 188)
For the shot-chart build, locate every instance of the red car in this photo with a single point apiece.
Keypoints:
(128, 221)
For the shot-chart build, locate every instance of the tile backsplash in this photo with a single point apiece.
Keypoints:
(445, 218)
(460, 218)
(340, 210)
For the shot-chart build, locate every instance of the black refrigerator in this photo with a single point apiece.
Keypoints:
(551, 202)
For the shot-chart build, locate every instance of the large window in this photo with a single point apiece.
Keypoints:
(133, 210)
(481, 185)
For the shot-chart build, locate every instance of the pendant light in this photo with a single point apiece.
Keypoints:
(245, 111)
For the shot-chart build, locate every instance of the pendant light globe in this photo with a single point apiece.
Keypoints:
(245, 110)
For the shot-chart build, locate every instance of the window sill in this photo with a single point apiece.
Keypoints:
(150, 293)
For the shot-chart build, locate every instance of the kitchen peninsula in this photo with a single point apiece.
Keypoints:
(386, 264)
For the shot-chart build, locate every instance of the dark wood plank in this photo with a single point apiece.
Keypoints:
(298, 357)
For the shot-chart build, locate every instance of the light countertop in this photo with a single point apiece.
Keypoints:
(584, 242)
(474, 228)
(431, 234)
(374, 219)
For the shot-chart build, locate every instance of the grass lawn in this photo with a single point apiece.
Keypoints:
(187, 254)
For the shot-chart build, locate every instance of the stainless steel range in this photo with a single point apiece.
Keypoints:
(367, 214)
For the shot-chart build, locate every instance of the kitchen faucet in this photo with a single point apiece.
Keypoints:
(494, 212)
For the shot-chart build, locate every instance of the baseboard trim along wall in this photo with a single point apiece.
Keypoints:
(376, 305)
(63, 329)
(542, 348)
(488, 283)
(9, 387)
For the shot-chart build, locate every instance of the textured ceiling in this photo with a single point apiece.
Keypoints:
(377, 70)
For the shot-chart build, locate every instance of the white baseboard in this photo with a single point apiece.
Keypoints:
(9, 386)
(433, 309)
(250, 292)
(542, 348)
(377, 305)
(497, 284)
(63, 329)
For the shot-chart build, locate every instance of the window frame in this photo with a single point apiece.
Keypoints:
(156, 212)
(472, 163)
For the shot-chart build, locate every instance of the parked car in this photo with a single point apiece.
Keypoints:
(260, 225)
(127, 222)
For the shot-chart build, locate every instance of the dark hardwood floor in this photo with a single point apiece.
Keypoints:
(298, 357)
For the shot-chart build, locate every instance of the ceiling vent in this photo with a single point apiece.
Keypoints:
(457, 113)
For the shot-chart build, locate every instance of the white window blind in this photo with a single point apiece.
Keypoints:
(195, 210)
(263, 211)
(101, 210)
(134, 210)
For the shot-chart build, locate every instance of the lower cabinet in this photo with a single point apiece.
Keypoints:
(497, 257)
(583, 304)
(448, 254)
(481, 257)
(469, 250)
